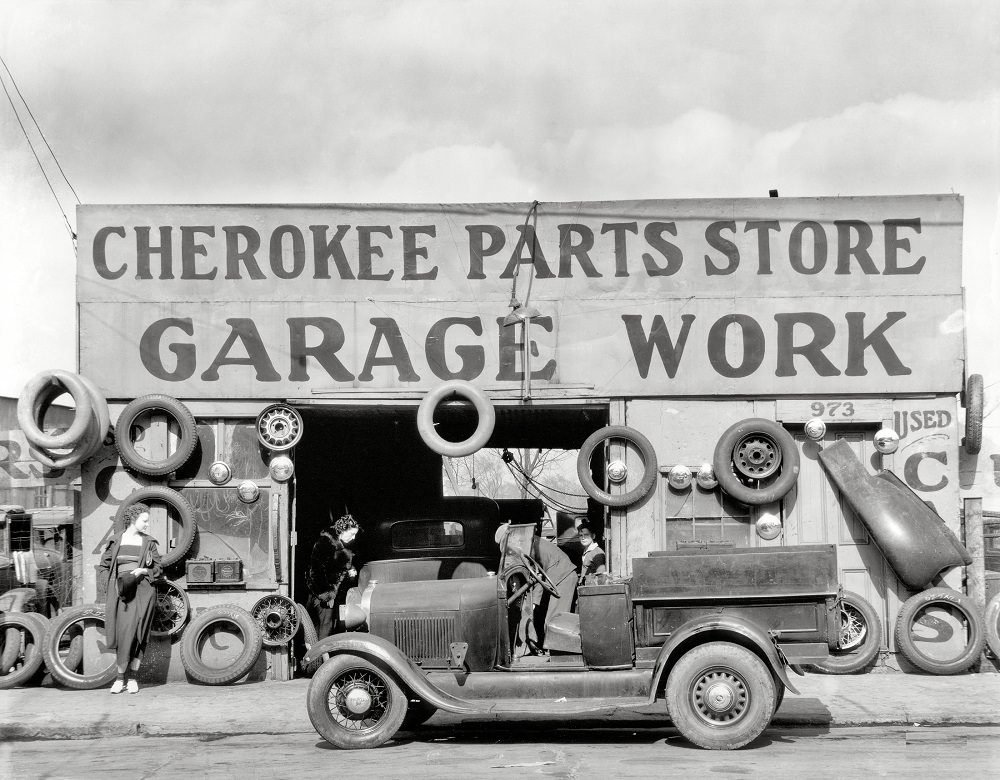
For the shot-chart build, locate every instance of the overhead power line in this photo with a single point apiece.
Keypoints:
(31, 146)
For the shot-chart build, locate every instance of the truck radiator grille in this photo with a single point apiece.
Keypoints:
(424, 637)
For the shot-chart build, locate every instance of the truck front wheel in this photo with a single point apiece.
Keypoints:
(354, 704)
(720, 696)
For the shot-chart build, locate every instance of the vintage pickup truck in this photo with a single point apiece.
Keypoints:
(709, 632)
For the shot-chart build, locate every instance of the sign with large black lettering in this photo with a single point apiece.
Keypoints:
(636, 298)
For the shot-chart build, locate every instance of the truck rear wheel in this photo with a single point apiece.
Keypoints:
(354, 704)
(720, 696)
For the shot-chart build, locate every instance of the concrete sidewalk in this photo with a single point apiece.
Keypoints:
(182, 709)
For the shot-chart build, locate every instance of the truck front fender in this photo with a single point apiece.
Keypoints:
(719, 627)
(385, 654)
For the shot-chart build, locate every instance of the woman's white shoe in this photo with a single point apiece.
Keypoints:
(117, 686)
(133, 686)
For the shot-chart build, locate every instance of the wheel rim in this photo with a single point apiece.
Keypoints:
(853, 628)
(756, 456)
(720, 697)
(279, 427)
(171, 609)
(358, 699)
(277, 617)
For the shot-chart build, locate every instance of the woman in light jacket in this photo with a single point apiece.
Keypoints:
(130, 564)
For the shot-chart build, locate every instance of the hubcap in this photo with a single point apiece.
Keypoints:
(720, 697)
(358, 701)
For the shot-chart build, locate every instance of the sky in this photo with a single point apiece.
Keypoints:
(174, 101)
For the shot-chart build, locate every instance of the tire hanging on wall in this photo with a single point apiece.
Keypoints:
(973, 402)
(184, 515)
(993, 625)
(756, 461)
(279, 427)
(860, 637)
(484, 428)
(187, 434)
(598, 438)
(201, 625)
(92, 413)
(38, 394)
(66, 631)
(911, 643)
(28, 633)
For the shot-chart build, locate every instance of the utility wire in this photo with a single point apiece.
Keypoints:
(31, 146)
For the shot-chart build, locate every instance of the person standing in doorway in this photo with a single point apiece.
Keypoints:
(329, 567)
(129, 565)
(594, 559)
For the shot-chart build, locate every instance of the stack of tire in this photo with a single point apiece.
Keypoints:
(85, 435)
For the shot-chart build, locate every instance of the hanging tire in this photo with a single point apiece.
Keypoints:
(279, 427)
(36, 397)
(585, 475)
(756, 461)
(927, 626)
(860, 637)
(354, 704)
(484, 409)
(67, 631)
(232, 666)
(278, 619)
(309, 637)
(183, 516)
(172, 609)
(187, 434)
(993, 625)
(101, 412)
(973, 439)
(28, 659)
(720, 696)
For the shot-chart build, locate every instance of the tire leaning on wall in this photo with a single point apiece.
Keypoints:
(67, 630)
(993, 625)
(25, 665)
(200, 628)
(915, 610)
(187, 434)
(184, 513)
(860, 637)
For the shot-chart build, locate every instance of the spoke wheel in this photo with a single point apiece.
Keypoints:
(172, 609)
(278, 618)
(354, 704)
(860, 637)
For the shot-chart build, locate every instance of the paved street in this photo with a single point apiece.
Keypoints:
(499, 751)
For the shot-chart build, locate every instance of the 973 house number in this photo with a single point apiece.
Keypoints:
(832, 408)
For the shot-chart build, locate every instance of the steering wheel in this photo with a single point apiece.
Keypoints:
(537, 573)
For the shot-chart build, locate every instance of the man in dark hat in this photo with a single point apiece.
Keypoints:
(330, 569)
